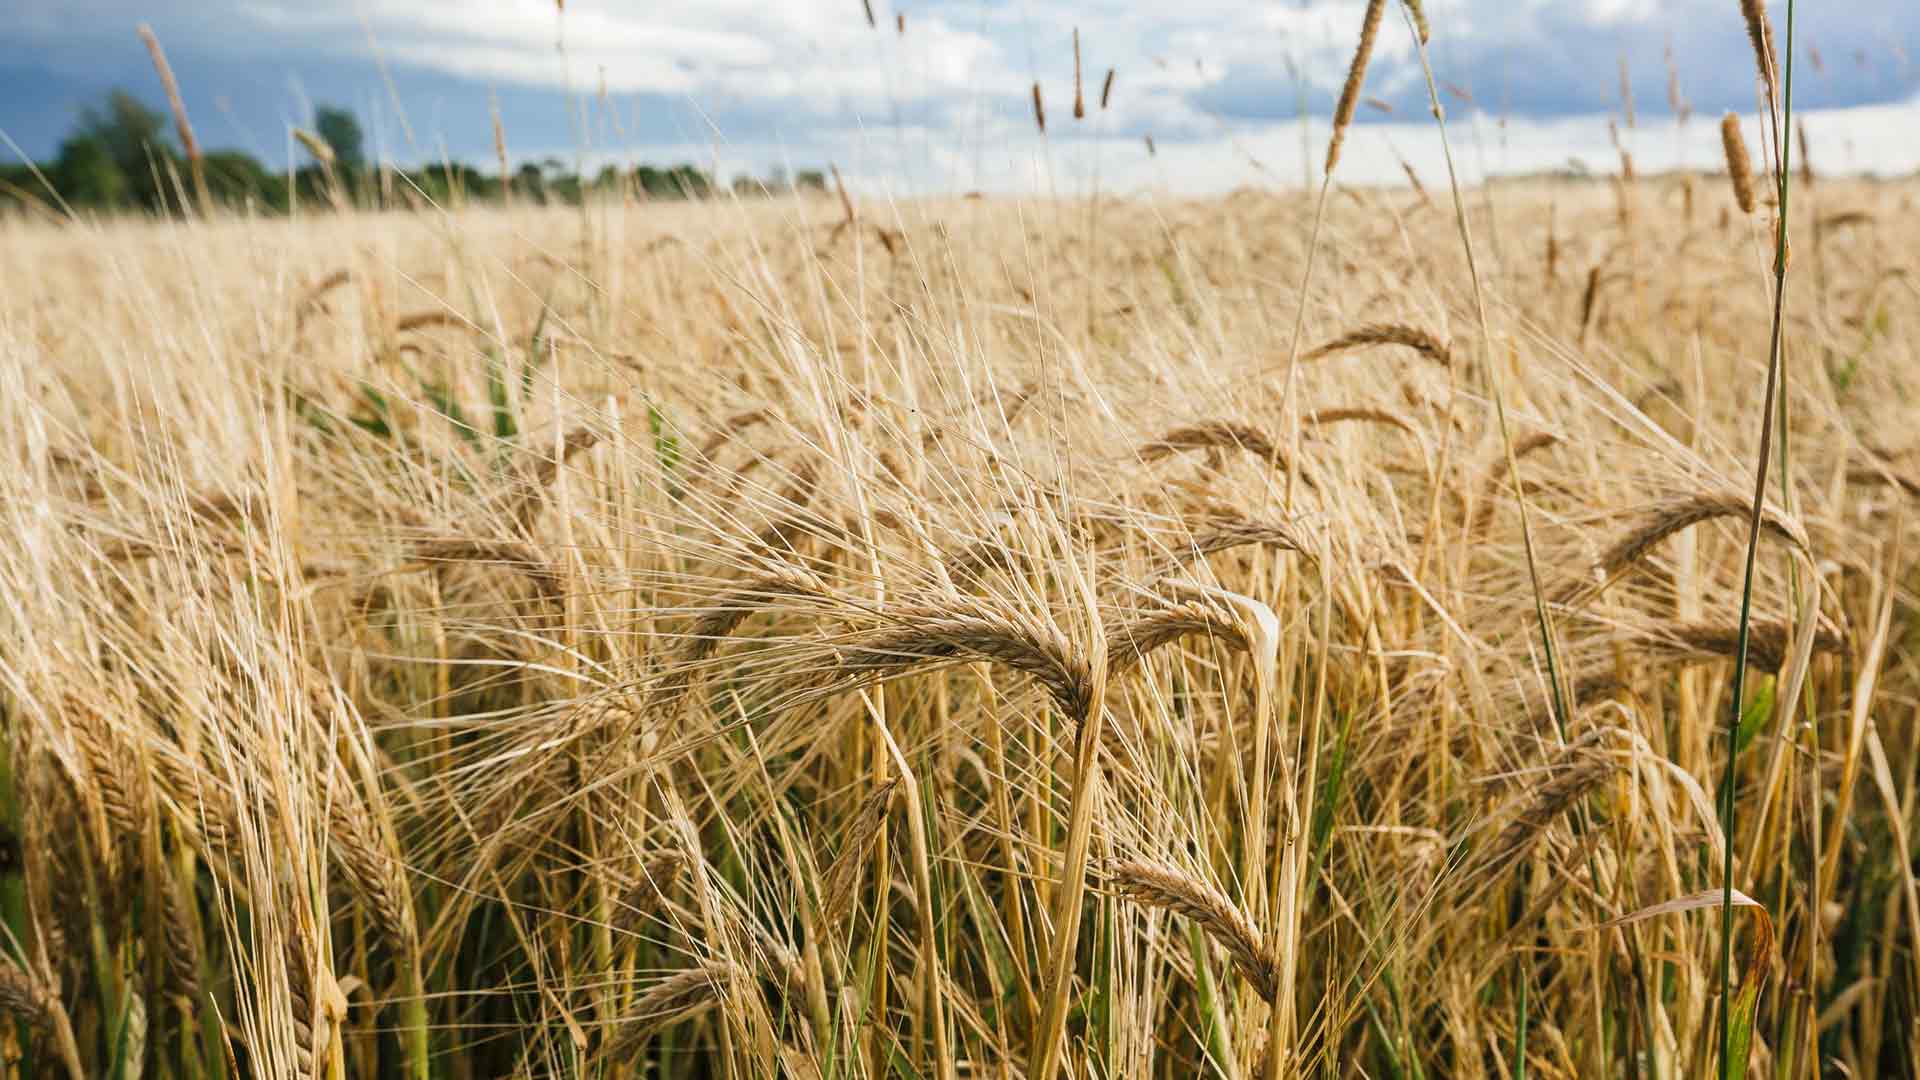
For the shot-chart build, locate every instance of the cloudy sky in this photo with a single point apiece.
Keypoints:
(740, 85)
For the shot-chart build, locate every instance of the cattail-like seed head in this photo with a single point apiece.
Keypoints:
(1106, 90)
(846, 207)
(1356, 77)
(1760, 32)
(1553, 245)
(1588, 298)
(900, 22)
(1079, 100)
(500, 149)
(1039, 109)
(1739, 165)
(1676, 100)
(1806, 157)
(1626, 90)
(179, 107)
(1418, 10)
(1413, 178)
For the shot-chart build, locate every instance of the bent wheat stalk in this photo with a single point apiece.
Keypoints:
(1761, 31)
(1073, 874)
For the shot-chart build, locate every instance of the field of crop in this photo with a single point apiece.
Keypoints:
(977, 638)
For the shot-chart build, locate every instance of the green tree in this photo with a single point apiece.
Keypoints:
(531, 182)
(86, 174)
(678, 182)
(339, 129)
(18, 185)
(134, 139)
(236, 177)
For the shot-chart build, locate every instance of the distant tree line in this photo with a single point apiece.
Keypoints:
(122, 155)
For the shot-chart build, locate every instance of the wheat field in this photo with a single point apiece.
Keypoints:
(961, 637)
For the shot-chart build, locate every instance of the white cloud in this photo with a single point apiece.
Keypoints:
(1218, 83)
(1614, 12)
(792, 55)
